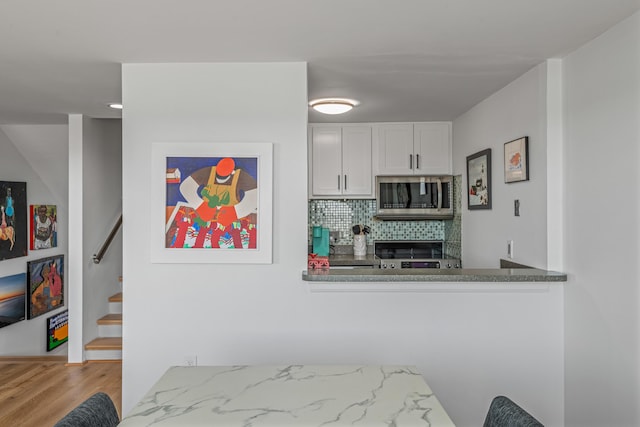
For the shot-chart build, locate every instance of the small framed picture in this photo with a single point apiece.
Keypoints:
(516, 160)
(479, 180)
(44, 227)
(57, 330)
(45, 285)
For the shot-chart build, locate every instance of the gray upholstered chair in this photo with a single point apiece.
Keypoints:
(503, 412)
(96, 411)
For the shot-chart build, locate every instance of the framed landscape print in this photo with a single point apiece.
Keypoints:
(45, 285)
(44, 227)
(12, 299)
(212, 203)
(479, 180)
(57, 330)
(13, 219)
(516, 160)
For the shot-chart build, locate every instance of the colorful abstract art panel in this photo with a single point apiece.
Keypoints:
(45, 287)
(13, 219)
(211, 202)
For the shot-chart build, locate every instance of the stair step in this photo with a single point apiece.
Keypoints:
(105, 343)
(116, 298)
(111, 319)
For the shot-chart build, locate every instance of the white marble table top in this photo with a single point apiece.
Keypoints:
(296, 395)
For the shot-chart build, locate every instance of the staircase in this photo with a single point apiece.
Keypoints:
(108, 345)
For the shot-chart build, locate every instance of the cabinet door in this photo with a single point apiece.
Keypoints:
(326, 155)
(395, 149)
(432, 146)
(356, 161)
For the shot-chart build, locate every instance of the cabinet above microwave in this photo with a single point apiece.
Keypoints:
(413, 149)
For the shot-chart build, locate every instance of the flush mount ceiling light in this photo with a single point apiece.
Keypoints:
(116, 106)
(333, 105)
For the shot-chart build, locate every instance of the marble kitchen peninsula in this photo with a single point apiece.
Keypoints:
(297, 395)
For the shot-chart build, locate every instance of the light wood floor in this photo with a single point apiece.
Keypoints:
(37, 392)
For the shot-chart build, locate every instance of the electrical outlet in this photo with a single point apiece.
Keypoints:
(510, 249)
(191, 360)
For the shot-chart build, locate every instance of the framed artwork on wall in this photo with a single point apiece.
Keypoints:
(44, 227)
(516, 160)
(12, 299)
(479, 180)
(57, 330)
(45, 285)
(212, 203)
(13, 219)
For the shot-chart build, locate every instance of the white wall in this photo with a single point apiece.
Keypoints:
(602, 138)
(517, 110)
(470, 346)
(35, 154)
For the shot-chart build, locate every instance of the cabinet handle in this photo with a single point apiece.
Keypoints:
(417, 161)
(338, 182)
(345, 183)
(410, 161)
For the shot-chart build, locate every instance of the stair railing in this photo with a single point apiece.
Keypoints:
(98, 257)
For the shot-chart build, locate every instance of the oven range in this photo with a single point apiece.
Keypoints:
(413, 254)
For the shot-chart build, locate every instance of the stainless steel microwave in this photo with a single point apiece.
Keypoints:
(414, 197)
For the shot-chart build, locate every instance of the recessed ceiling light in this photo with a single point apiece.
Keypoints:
(116, 106)
(333, 105)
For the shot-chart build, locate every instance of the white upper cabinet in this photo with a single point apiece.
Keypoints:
(340, 163)
(395, 149)
(432, 146)
(413, 149)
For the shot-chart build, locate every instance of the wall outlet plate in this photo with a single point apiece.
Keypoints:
(191, 360)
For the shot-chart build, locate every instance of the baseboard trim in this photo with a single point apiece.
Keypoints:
(33, 358)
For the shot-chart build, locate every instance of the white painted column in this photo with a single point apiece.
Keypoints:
(74, 262)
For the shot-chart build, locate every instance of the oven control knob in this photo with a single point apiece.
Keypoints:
(383, 266)
(448, 265)
(457, 265)
(393, 266)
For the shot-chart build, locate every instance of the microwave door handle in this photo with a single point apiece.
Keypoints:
(439, 185)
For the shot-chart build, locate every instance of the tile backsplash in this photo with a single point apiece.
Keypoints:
(342, 215)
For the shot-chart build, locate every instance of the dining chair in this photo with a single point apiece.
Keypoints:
(97, 411)
(504, 412)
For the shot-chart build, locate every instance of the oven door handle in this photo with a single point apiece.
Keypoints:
(439, 186)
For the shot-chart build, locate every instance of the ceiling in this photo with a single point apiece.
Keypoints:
(404, 60)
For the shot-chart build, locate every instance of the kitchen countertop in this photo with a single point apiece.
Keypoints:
(434, 275)
(352, 260)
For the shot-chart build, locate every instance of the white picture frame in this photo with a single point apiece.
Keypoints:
(171, 209)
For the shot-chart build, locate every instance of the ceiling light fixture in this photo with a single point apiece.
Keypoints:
(333, 105)
(116, 106)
